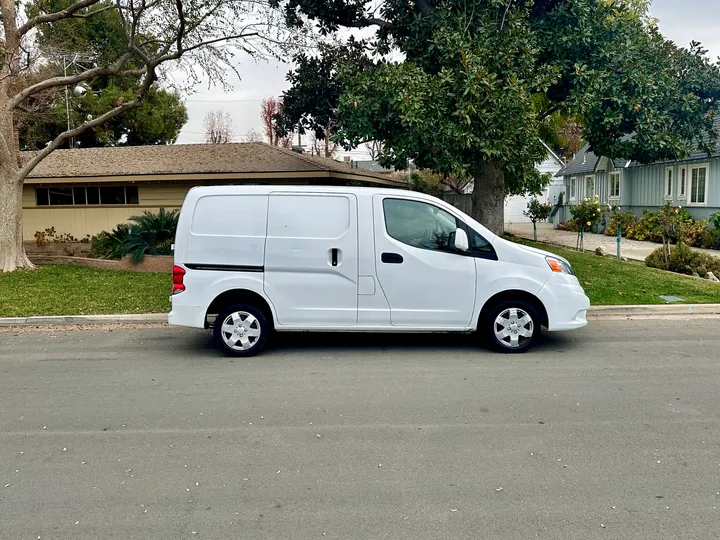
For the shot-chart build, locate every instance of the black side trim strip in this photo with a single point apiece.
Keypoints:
(225, 267)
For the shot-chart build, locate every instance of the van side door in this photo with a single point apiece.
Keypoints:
(427, 282)
(311, 259)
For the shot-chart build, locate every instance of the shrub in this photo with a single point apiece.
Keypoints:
(715, 220)
(151, 234)
(646, 228)
(693, 233)
(587, 214)
(568, 225)
(711, 240)
(684, 260)
(626, 220)
(110, 245)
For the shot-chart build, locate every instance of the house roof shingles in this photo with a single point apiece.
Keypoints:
(586, 162)
(239, 158)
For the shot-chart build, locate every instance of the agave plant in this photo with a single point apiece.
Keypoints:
(110, 245)
(151, 234)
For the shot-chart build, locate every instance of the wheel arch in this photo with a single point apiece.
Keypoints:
(503, 296)
(240, 296)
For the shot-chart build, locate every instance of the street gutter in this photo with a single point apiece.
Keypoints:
(660, 311)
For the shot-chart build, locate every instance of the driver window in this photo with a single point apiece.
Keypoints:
(420, 225)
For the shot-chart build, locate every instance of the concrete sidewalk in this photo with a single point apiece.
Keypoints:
(632, 249)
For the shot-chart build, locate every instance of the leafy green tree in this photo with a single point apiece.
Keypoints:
(464, 100)
(537, 211)
(311, 103)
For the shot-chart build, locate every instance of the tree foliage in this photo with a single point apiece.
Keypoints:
(311, 102)
(480, 80)
(151, 234)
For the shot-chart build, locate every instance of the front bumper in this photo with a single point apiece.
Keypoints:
(565, 302)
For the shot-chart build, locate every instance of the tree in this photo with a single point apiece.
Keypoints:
(252, 135)
(375, 149)
(157, 121)
(324, 147)
(200, 37)
(218, 127)
(311, 103)
(71, 45)
(537, 211)
(270, 110)
(464, 99)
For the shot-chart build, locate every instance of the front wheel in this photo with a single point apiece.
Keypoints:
(512, 326)
(241, 330)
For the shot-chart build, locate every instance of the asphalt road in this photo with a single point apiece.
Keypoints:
(149, 433)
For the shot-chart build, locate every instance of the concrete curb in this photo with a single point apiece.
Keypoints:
(654, 311)
(86, 319)
(594, 313)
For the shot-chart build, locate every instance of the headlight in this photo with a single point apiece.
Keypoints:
(559, 266)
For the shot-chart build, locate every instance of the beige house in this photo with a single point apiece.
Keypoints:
(85, 191)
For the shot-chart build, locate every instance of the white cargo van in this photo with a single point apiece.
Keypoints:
(250, 260)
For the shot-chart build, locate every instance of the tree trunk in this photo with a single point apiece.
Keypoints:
(488, 196)
(12, 250)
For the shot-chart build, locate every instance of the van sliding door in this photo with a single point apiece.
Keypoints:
(311, 259)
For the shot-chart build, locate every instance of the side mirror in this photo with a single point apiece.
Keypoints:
(461, 240)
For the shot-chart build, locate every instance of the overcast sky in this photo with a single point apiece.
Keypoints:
(681, 21)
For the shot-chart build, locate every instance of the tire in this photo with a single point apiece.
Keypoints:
(506, 337)
(241, 330)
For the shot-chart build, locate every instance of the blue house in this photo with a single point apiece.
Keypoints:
(693, 183)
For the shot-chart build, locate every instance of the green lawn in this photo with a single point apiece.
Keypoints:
(77, 290)
(609, 282)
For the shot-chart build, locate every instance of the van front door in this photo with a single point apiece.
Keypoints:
(311, 259)
(426, 281)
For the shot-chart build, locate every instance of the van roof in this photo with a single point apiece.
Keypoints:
(259, 190)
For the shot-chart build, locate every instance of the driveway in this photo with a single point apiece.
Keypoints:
(149, 433)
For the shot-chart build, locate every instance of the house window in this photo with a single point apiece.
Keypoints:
(589, 186)
(87, 195)
(614, 187)
(698, 185)
(682, 188)
(669, 183)
(573, 189)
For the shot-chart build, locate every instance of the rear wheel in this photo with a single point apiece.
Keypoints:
(512, 326)
(241, 330)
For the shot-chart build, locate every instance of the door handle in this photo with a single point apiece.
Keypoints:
(334, 252)
(391, 258)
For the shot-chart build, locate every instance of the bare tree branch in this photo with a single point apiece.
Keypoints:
(218, 127)
(365, 22)
(67, 13)
(54, 82)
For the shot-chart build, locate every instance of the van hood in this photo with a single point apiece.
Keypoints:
(519, 253)
(542, 252)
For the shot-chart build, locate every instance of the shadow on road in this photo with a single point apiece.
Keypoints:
(303, 342)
